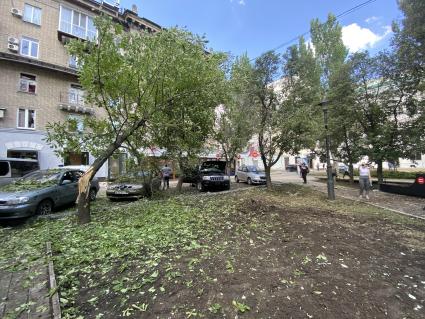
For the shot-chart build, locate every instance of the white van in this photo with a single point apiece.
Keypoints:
(13, 168)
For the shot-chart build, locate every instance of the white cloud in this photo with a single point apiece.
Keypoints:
(241, 2)
(357, 38)
(372, 19)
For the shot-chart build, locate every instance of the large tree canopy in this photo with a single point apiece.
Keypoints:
(136, 81)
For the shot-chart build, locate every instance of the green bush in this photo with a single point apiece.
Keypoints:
(392, 174)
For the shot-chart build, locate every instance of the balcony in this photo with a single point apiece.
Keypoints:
(74, 102)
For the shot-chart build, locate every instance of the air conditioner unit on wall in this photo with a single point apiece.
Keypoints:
(13, 40)
(16, 12)
(13, 47)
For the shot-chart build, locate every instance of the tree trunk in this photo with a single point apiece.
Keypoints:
(379, 172)
(351, 172)
(180, 183)
(228, 167)
(182, 166)
(83, 200)
(267, 170)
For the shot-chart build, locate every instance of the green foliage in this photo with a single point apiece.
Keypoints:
(27, 185)
(234, 121)
(147, 89)
(240, 306)
(392, 174)
(330, 50)
(386, 108)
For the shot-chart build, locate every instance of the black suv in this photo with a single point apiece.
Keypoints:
(209, 175)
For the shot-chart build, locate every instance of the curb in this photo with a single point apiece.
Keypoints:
(54, 298)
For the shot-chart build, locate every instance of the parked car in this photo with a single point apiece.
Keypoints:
(251, 175)
(291, 168)
(209, 175)
(13, 168)
(40, 192)
(133, 186)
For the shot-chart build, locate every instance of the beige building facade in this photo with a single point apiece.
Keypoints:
(39, 78)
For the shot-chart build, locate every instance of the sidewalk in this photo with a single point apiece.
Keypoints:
(25, 293)
(407, 205)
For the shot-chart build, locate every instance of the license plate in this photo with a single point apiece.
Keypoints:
(121, 193)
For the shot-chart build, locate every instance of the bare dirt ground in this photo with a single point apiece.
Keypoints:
(285, 254)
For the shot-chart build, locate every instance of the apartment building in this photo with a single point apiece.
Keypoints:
(39, 78)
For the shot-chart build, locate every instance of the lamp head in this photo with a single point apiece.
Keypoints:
(324, 104)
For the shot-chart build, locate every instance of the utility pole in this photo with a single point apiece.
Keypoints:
(330, 182)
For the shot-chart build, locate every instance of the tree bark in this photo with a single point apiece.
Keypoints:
(351, 172)
(182, 166)
(267, 170)
(180, 183)
(379, 172)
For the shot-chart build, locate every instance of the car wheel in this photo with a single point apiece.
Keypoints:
(45, 207)
(92, 194)
(237, 179)
(200, 187)
(249, 181)
(227, 187)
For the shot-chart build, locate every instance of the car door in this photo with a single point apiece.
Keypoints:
(243, 174)
(68, 188)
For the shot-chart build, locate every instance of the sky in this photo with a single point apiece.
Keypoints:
(256, 26)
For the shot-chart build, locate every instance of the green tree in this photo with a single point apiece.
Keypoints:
(409, 47)
(387, 108)
(331, 54)
(345, 131)
(301, 91)
(234, 126)
(133, 79)
(329, 48)
(283, 123)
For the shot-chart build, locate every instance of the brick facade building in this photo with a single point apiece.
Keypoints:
(39, 78)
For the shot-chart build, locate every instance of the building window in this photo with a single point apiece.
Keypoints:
(78, 122)
(77, 23)
(29, 47)
(73, 62)
(26, 119)
(27, 83)
(73, 158)
(32, 14)
(76, 95)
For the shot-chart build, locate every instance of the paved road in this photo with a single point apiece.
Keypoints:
(408, 205)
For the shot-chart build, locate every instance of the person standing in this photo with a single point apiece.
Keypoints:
(365, 180)
(165, 172)
(304, 171)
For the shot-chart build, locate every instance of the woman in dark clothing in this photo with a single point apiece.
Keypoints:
(304, 171)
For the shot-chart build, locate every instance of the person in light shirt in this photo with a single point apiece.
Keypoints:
(365, 180)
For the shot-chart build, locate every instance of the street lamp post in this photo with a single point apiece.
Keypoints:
(331, 188)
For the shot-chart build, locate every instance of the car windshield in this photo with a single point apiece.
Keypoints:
(34, 180)
(213, 167)
(41, 176)
(253, 169)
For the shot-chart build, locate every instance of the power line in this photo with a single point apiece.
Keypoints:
(342, 14)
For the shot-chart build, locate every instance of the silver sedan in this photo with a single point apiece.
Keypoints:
(250, 174)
